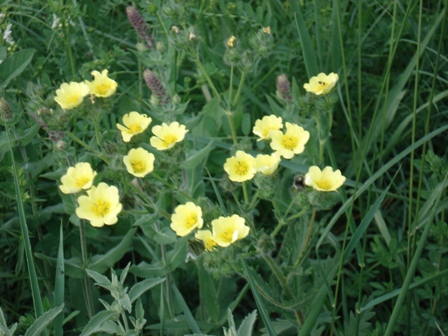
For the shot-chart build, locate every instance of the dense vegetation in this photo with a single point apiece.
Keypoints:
(169, 221)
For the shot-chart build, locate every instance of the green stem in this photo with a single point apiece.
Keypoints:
(246, 195)
(125, 321)
(230, 87)
(171, 187)
(240, 87)
(254, 200)
(277, 229)
(86, 146)
(99, 140)
(149, 202)
(207, 77)
(229, 116)
(297, 215)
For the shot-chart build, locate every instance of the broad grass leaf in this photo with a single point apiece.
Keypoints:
(14, 65)
(101, 263)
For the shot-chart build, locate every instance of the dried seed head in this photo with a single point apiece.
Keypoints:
(155, 85)
(284, 88)
(5, 111)
(140, 26)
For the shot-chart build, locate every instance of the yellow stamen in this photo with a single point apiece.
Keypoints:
(101, 208)
(289, 142)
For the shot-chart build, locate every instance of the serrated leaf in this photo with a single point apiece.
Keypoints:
(101, 263)
(42, 321)
(96, 322)
(100, 280)
(139, 288)
(14, 65)
(247, 325)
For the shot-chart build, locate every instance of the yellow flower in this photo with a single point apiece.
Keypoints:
(139, 162)
(77, 178)
(227, 230)
(71, 95)
(231, 41)
(240, 167)
(291, 142)
(186, 218)
(100, 206)
(166, 136)
(267, 30)
(134, 123)
(325, 180)
(264, 126)
(207, 238)
(267, 164)
(321, 84)
(102, 86)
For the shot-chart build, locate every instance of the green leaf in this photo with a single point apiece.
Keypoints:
(100, 280)
(263, 312)
(59, 284)
(196, 158)
(187, 313)
(139, 288)
(309, 56)
(247, 325)
(208, 293)
(96, 322)
(42, 321)
(101, 263)
(14, 65)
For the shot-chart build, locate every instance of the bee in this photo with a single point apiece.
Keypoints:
(195, 248)
(298, 184)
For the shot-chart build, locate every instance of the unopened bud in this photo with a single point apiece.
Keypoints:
(156, 86)
(160, 46)
(284, 88)
(140, 26)
(60, 146)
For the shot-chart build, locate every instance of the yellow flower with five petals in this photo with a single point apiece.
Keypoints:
(139, 162)
(186, 218)
(100, 206)
(102, 86)
(325, 180)
(134, 123)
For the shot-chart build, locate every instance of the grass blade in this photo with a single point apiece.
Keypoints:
(263, 312)
(188, 315)
(35, 291)
(59, 285)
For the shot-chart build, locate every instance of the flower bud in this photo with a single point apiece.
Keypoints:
(156, 86)
(140, 26)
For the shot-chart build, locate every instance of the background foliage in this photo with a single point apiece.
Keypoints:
(373, 263)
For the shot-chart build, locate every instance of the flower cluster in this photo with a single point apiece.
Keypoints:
(101, 205)
(71, 95)
(225, 230)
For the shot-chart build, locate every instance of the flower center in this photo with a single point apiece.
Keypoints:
(209, 243)
(191, 220)
(138, 166)
(135, 128)
(227, 235)
(82, 181)
(241, 168)
(73, 98)
(101, 208)
(102, 88)
(169, 139)
(289, 142)
(324, 184)
(322, 85)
